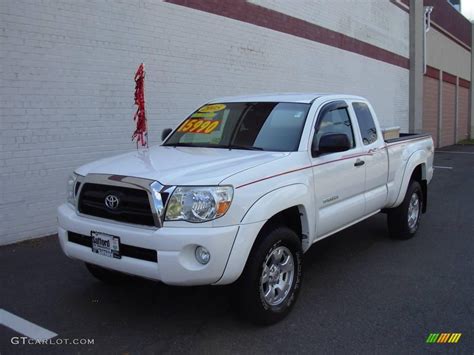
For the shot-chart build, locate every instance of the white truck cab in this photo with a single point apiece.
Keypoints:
(240, 190)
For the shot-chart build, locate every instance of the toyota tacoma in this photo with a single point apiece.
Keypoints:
(240, 190)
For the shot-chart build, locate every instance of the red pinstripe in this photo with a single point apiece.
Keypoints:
(303, 168)
(369, 153)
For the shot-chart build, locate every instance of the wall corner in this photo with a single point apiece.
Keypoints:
(417, 29)
(471, 90)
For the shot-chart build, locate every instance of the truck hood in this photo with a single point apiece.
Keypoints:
(181, 165)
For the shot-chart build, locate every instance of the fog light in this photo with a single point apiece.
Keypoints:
(202, 255)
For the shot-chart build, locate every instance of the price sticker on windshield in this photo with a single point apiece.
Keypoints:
(198, 125)
(212, 108)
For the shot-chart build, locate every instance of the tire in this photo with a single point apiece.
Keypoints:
(105, 275)
(404, 220)
(263, 300)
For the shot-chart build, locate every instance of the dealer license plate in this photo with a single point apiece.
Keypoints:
(106, 245)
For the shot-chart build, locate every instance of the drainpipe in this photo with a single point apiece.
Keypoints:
(427, 23)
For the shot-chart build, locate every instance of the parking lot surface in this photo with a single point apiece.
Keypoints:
(362, 292)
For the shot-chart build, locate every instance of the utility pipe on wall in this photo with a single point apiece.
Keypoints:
(428, 10)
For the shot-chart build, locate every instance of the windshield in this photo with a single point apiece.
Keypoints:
(272, 126)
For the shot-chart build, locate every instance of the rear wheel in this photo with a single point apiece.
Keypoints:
(270, 283)
(106, 275)
(404, 220)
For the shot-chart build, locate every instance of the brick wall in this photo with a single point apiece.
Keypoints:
(373, 21)
(67, 90)
(431, 107)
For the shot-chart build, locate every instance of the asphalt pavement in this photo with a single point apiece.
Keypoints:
(362, 292)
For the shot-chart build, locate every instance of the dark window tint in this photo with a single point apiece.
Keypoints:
(366, 122)
(335, 121)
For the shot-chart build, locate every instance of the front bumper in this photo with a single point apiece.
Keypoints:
(176, 263)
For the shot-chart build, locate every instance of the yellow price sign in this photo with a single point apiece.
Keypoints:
(203, 115)
(196, 125)
(212, 108)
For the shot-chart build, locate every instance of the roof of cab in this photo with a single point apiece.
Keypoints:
(299, 97)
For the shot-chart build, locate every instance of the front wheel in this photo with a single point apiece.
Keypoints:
(271, 281)
(404, 220)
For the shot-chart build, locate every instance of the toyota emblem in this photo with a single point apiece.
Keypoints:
(112, 201)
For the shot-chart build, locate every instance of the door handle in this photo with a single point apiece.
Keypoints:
(359, 162)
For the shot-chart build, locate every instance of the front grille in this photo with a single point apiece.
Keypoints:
(133, 207)
(125, 249)
(76, 188)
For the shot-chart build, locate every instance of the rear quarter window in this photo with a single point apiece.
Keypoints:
(366, 122)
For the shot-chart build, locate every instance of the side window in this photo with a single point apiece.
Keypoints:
(335, 121)
(366, 122)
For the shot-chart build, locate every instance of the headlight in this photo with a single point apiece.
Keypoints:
(71, 188)
(198, 203)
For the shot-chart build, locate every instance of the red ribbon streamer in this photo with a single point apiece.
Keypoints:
(140, 133)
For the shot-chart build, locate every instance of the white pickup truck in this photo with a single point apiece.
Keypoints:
(240, 190)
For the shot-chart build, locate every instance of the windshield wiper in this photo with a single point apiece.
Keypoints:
(246, 147)
(196, 145)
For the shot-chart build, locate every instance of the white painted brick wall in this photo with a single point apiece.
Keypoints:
(377, 22)
(66, 86)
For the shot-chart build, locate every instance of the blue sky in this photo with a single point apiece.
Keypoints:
(467, 8)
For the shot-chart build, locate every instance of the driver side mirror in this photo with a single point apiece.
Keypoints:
(165, 133)
(331, 143)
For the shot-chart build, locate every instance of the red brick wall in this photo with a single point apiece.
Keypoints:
(463, 113)
(430, 107)
(449, 107)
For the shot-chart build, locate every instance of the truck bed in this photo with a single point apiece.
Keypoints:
(407, 137)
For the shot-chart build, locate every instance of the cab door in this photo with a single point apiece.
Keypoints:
(376, 161)
(339, 176)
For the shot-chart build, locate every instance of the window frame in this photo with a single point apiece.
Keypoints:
(358, 123)
(328, 107)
